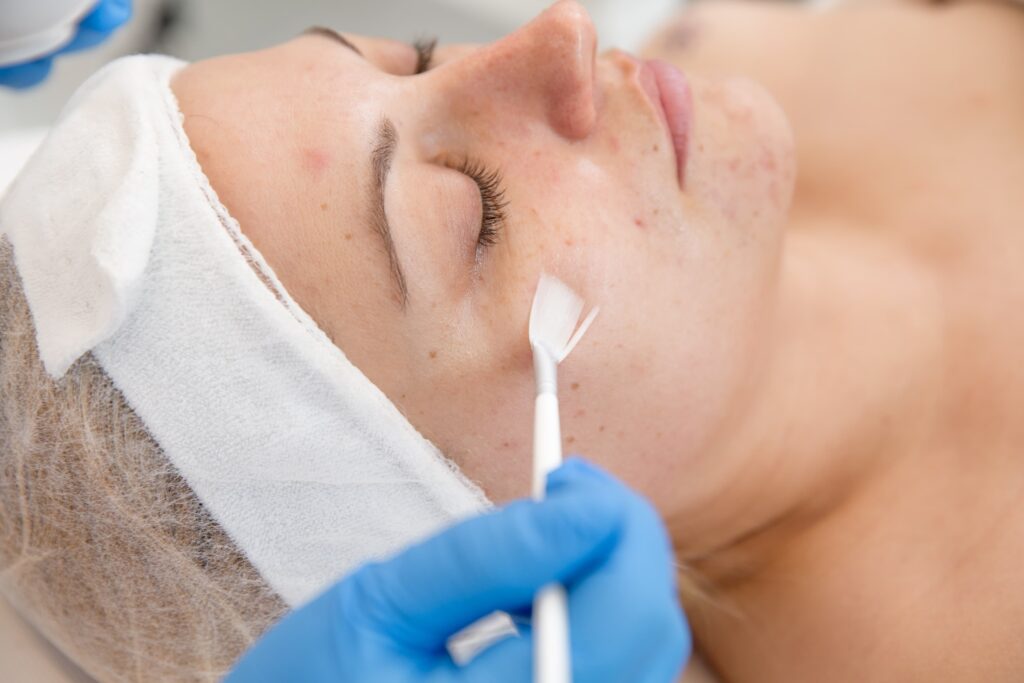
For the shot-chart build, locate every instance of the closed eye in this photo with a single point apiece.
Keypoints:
(492, 200)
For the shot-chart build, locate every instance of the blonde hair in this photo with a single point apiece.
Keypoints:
(103, 546)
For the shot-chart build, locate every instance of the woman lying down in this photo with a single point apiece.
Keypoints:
(264, 318)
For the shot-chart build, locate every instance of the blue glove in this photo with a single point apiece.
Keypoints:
(388, 622)
(92, 30)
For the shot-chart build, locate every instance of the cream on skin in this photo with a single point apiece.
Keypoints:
(799, 413)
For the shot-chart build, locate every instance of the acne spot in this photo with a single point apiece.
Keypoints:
(433, 355)
(315, 161)
(568, 242)
(574, 386)
(614, 142)
(323, 207)
(639, 222)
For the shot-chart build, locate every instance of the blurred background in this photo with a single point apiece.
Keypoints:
(195, 29)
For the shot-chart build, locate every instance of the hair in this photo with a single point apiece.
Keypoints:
(103, 546)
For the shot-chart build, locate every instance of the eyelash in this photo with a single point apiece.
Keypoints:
(424, 54)
(492, 191)
(492, 196)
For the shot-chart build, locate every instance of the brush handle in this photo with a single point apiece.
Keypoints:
(550, 606)
(551, 635)
(547, 441)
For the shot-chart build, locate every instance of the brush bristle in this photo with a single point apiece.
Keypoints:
(554, 317)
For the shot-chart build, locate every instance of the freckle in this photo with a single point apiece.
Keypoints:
(323, 207)
(568, 242)
(348, 235)
(506, 444)
(570, 440)
(433, 354)
(655, 148)
(600, 428)
(402, 396)
(575, 386)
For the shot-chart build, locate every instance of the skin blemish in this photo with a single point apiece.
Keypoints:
(575, 386)
(315, 161)
(570, 440)
(655, 148)
(433, 355)
(614, 142)
(569, 242)
(580, 413)
(348, 235)
(600, 428)
(323, 207)
(639, 222)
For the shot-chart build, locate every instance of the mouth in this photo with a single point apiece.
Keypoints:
(668, 91)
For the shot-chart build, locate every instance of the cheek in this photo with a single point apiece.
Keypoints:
(742, 162)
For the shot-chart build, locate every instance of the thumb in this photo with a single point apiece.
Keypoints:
(493, 562)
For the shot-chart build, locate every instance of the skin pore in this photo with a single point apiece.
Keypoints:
(827, 423)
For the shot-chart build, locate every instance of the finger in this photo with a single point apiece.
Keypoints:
(84, 40)
(26, 75)
(496, 561)
(107, 15)
(630, 605)
(510, 659)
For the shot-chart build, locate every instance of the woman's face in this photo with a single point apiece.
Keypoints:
(316, 146)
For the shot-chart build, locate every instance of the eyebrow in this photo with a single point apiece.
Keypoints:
(381, 158)
(383, 155)
(333, 35)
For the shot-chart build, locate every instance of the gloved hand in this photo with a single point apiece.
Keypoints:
(387, 622)
(92, 30)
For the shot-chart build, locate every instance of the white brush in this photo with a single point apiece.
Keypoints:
(553, 335)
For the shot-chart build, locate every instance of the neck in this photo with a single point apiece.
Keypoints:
(841, 395)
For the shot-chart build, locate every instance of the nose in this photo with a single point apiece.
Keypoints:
(544, 70)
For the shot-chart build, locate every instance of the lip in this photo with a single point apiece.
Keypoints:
(669, 93)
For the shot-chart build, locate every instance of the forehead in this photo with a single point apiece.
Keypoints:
(285, 136)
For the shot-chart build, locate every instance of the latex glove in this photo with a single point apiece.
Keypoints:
(388, 622)
(95, 28)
